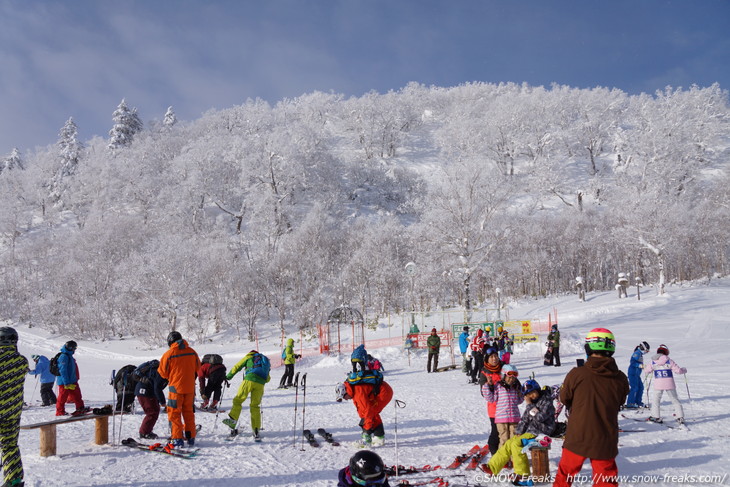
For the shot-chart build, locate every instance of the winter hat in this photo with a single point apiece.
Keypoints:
(510, 370)
(490, 351)
(644, 347)
(434, 330)
(466, 329)
(663, 349)
(555, 326)
(480, 332)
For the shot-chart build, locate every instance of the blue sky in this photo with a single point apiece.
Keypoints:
(79, 58)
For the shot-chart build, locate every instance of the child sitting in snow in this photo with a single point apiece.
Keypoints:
(508, 396)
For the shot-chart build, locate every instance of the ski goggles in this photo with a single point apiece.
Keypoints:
(369, 482)
(512, 373)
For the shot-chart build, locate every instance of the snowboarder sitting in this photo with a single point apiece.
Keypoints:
(211, 375)
(537, 422)
(365, 468)
(371, 394)
(508, 396)
(636, 386)
(42, 368)
(664, 369)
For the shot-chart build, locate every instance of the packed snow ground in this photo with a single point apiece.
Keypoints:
(444, 416)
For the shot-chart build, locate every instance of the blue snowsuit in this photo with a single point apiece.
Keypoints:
(464, 342)
(636, 386)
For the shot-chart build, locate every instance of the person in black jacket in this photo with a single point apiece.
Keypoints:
(124, 385)
(149, 391)
(13, 368)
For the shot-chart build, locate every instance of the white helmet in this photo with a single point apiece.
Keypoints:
(340, 392)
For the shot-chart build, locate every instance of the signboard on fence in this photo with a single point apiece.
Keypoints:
(526, 338)
(418, 340)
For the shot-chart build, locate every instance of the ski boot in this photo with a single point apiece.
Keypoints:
(256, 435)
(652, 419)
(680, 420)
(230, 422)
(522, 480)
(365, 441)
(213, 406)
(149, 436)
(377, 441)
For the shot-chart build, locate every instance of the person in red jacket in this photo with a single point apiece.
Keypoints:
(179, 366)
(371, 394)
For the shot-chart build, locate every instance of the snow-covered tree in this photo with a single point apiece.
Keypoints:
(170, 118)
(12, 161)
(69, 148)
(126, 124)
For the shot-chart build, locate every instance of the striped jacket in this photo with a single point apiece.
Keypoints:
(13, 368)
(507, 398)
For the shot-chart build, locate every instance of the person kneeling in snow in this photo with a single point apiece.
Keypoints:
(371, 394)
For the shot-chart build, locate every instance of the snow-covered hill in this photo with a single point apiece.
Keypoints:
(443, 416)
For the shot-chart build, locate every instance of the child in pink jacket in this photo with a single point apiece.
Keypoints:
(507, 393)
(664, 369)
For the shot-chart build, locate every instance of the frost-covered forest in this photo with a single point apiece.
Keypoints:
(277, 214)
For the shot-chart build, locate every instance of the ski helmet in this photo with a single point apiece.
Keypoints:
(367, 468)
(340, 392)
(644, 347)
(490, 351)
(8, 336)
(173, 337)
(509, 369)
(70, 346)
(529, 386)
(600, 340)
(35, 358)
(663, 349)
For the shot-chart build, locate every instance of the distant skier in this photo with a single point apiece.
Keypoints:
(554, 340)
(477, 346)
(622, 285)
(42, 368)
(664, 369)
(434, 345)
(289, 358)
(464, 349)
(636, 363)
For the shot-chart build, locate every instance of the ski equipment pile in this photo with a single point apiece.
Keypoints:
(477, 459)
(327, 437)
(460, 459)
(166, 449)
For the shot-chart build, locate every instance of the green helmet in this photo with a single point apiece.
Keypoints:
(600, 340)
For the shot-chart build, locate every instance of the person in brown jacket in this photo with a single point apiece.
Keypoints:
(179, 365)
(593, 394)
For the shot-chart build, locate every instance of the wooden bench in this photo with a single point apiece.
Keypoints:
(48, 431)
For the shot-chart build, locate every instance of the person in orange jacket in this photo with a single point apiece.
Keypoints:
(371, 394)
(179, 366)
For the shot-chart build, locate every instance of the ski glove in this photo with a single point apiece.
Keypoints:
(70, 387)
(229, 376)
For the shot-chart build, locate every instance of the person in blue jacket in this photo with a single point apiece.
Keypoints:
(464, 348)
(42, 369)
(636, 386)
(68, 381)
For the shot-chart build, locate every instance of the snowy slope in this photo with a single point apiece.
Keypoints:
(444, 416)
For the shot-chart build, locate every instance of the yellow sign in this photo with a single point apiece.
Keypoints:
(526, 338)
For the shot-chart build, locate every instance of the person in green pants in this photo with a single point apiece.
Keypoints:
(256, 375)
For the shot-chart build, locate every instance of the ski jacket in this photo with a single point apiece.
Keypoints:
(214, 373)
(594, 394)
(289, 357)
(496, 377)
(507, 399)
(149, 383)
(433, 343)
(13, 368)
(369, 400)
(636, 363)
(68, 368)
(179, 366)
(538, 417)
(554, 338)
(478, 342)
(664, 369)
(464, 341)
(43, 368)
(247, 363)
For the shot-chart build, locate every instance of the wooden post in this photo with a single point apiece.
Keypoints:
(101, 433)
(540, 462)
(48, 440)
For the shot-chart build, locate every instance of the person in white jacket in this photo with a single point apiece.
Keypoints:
(664, 369)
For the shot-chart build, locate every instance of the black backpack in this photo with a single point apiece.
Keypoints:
(212, 359)
(53, 366)
(128, 372)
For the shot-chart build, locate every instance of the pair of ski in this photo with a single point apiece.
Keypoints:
(164, 448)
(321, 432)
(680, 426)
(474, 456)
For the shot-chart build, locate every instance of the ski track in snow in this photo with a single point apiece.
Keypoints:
(444, 416)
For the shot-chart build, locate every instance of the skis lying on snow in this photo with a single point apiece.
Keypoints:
(680, 426)
(310, 438)
(166, 449)
(327, 437)
(478, 457)
(403, 470)
(460, 459)
(436, 481)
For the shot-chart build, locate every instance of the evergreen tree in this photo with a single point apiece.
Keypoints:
(69, 148)
(170, 118)
(12, 161)
(126, 124)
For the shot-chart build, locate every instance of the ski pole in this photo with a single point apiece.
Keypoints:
(304, 404)
(686, 383)
(398, 404)
(34, 388)
(296, 398)
(121, 406)
(114, 398)
(220, 403)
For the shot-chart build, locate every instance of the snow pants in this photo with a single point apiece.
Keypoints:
(493, 440)
(180, 410)
(432, 357)
(48, 397)
(657, 398)
(288, 378)
(605, 471)
(64, 396)
(256, 391)
(512, 449)
(636, 390)
(12, 464)
(151, 408)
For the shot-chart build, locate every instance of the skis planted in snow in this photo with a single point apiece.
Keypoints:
(328, 437)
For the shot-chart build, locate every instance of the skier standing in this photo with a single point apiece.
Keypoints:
(434, 345)
(370, 394)
(68, 381)
(636, 392)
(290, 359)
(42, 368)
(594, 394)
(554, 338)
(256, 376)
(149, 391)
(179, 366)
(664, 369)
(13, 368)
(507, 395)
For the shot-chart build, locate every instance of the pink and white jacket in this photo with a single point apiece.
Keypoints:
(664, 369)
(507, 398)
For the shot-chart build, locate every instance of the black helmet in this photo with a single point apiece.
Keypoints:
(70, 346)
(367, 467)
(8, 336)
(173, 337)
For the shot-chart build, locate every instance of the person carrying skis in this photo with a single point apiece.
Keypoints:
(149, 392)
(256, 376)
(68, 381)
(464, 349)
(554, 339)
(664, 369)
(434, 345)
(13, 368)
(507, 395)
(124, 387)
(537, 420)
(636, 386)
(493, 370)
(370, 394)
(364, 468)
(42, 368)
(290, 359)
(477, 346)
(211, 376)
(593, 394)
(179, 366)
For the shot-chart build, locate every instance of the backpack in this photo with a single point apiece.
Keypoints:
(373, 377)
(53, 365)
(261, 365)
(125, 372)
(283, 354)
(212, 359)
